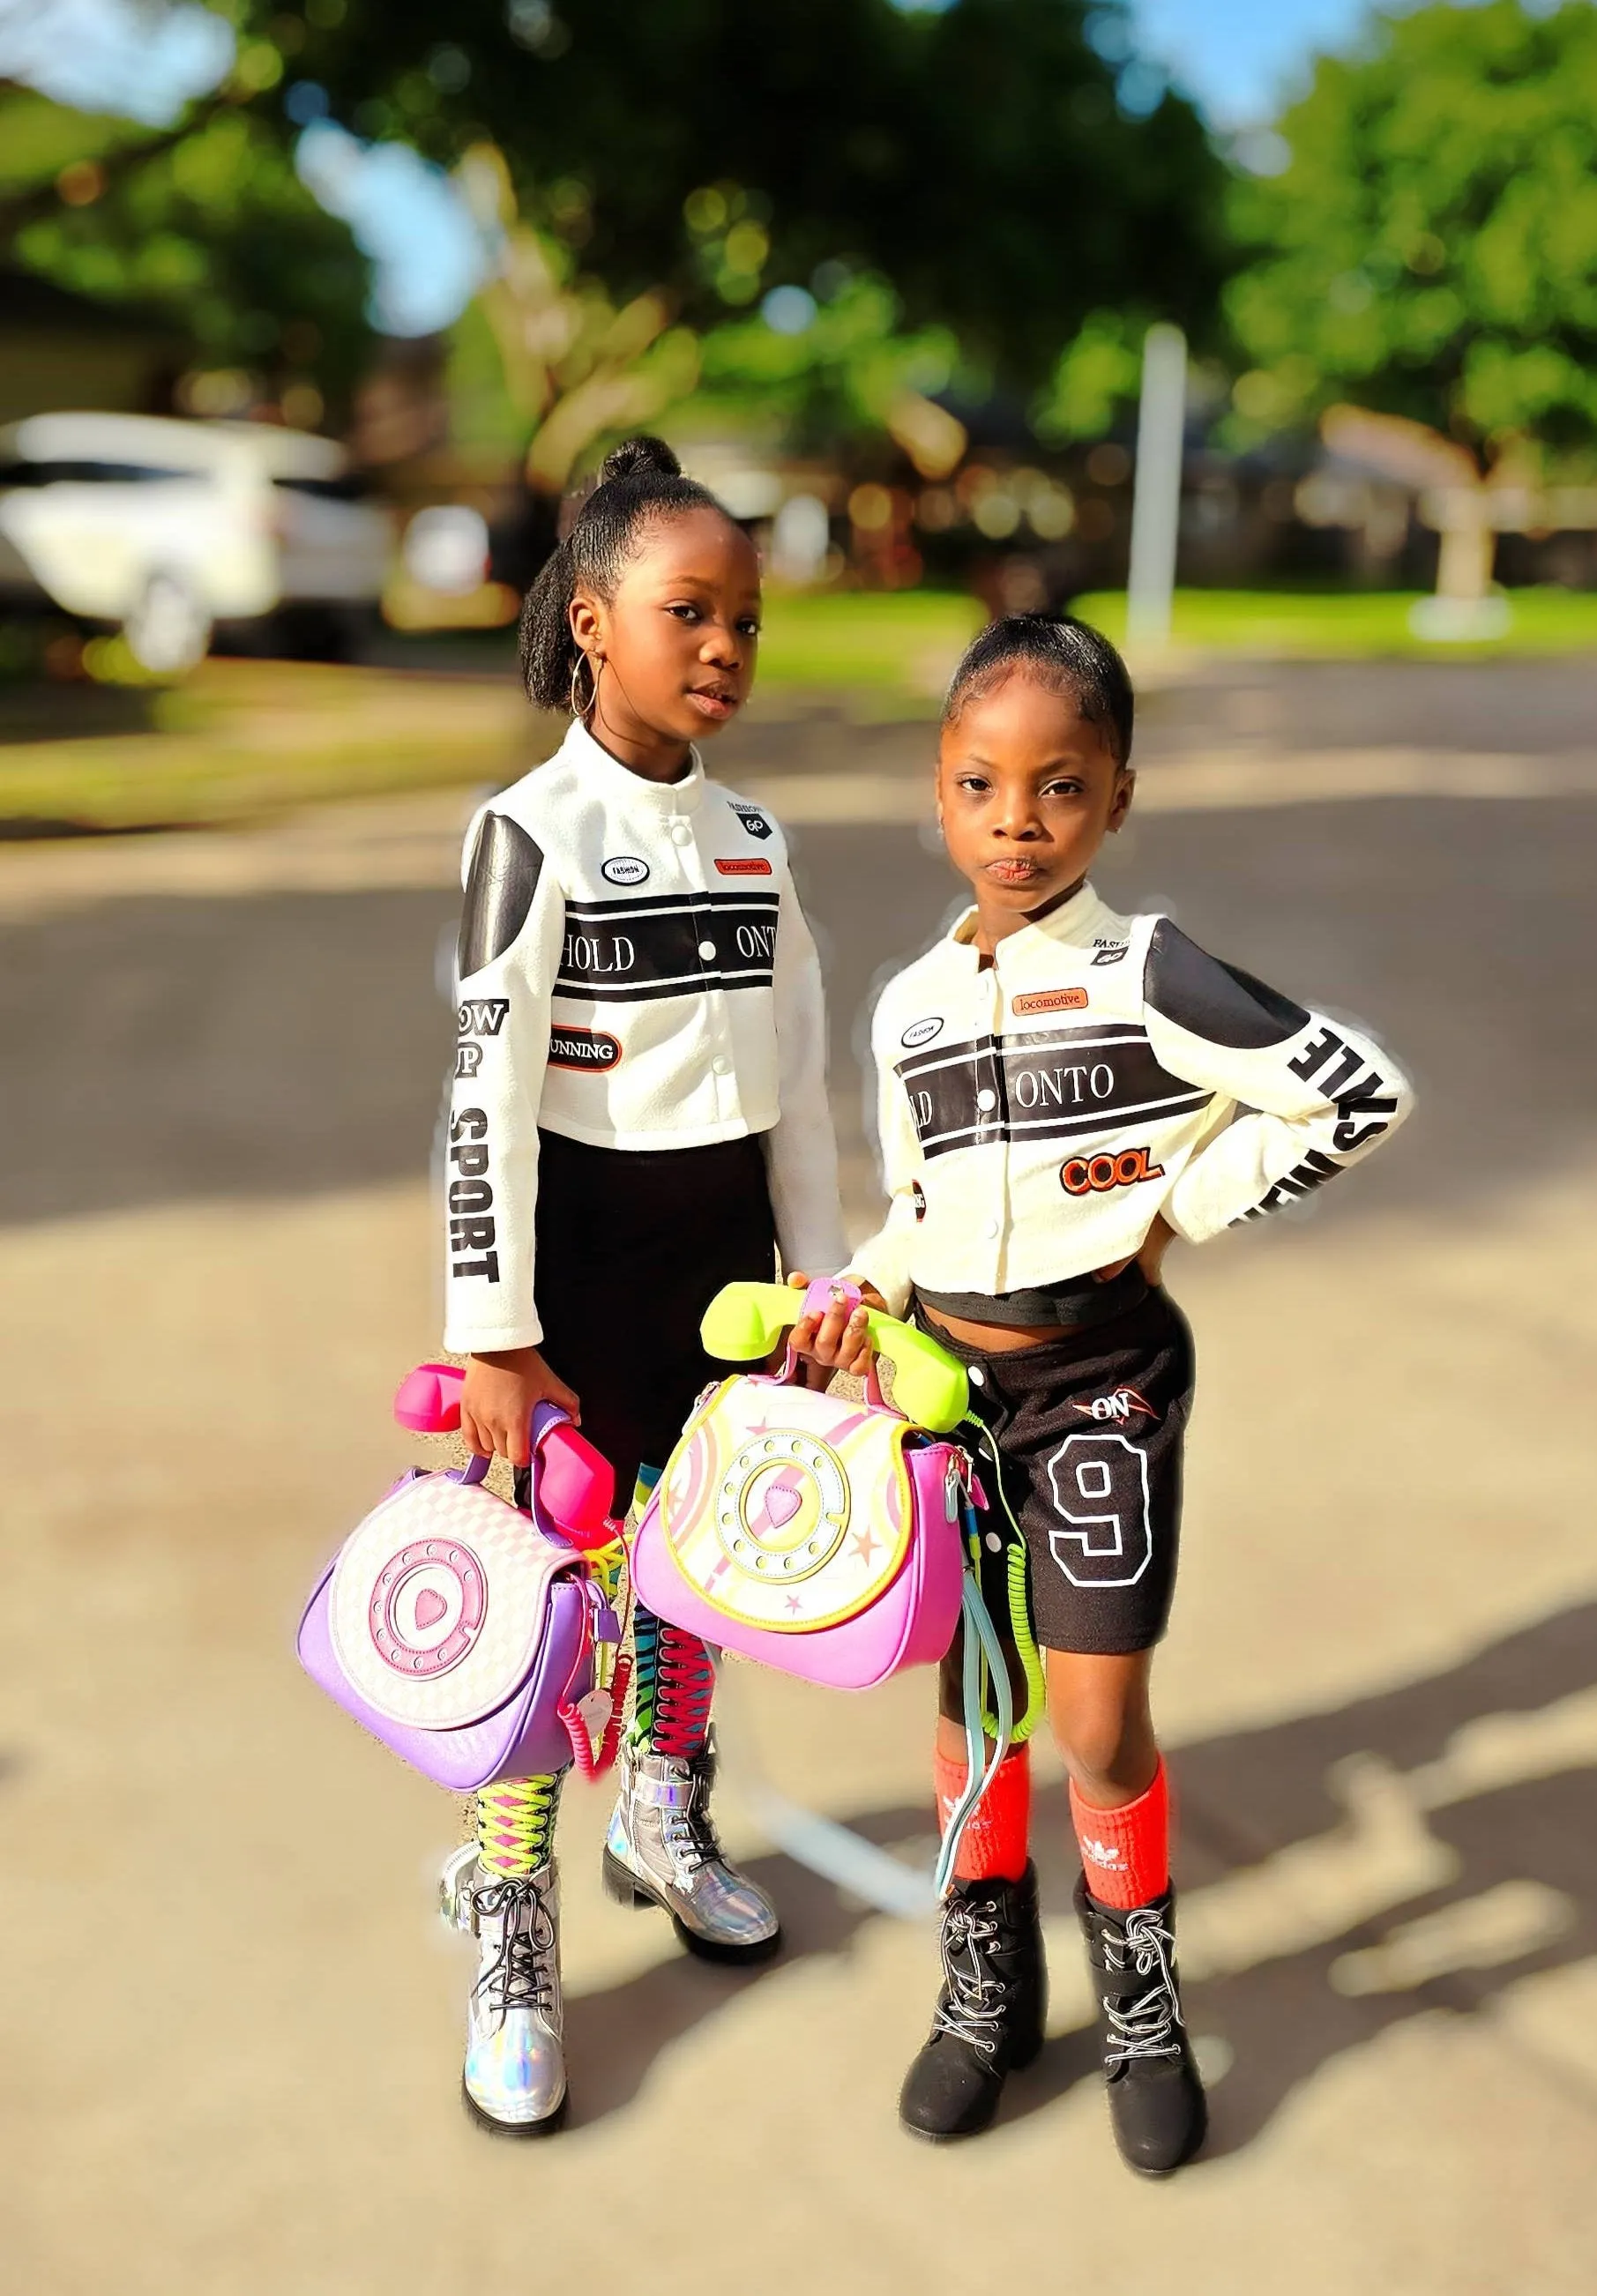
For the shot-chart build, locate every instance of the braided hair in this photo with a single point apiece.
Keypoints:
(641, 479)
(1069, 656)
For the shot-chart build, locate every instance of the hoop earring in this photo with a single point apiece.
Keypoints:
(580, 708)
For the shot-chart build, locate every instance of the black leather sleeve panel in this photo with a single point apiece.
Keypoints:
(506, 863)
(1215, 1001)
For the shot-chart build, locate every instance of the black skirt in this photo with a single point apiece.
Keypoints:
(632, 1247)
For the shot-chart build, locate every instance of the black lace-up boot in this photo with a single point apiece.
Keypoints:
(1155, 2097)
(990, 2011)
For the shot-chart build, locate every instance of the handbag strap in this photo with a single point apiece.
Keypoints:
(981, 1644)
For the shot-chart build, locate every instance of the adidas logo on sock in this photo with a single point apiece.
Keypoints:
(1102, 1853)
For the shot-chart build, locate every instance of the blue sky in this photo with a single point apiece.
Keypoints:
(1236, 56)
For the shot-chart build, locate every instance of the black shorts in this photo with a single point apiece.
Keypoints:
(1089, 1432)
(632, 1247)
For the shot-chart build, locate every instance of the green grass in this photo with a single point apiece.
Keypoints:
(239, 739)
(1348, 624)
(893, 645)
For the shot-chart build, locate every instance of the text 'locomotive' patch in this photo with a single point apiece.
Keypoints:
(750, 868)
(1052, 1000)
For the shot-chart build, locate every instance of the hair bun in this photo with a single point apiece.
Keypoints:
(637, 458)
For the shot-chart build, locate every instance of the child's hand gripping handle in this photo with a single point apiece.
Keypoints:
(576, 1486)
(745, 1322)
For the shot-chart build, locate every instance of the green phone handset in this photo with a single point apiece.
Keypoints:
(744, 1321)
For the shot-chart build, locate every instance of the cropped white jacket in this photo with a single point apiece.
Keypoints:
(635, 972)
(1036, 1113)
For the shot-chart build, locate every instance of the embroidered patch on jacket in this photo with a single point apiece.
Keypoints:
(753, 823)
(922, 1032)
(583, 1048)
(744, 868)
(625, 869)
(1052, 1000)
(1094, 1176)
(918, 1198)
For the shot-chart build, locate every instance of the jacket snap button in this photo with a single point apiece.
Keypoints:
(986, 1097)
(721, 1065)
(707, 949)
(680, 831)
(976, 1376)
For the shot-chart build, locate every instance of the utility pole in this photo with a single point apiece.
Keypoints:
(1156, 503)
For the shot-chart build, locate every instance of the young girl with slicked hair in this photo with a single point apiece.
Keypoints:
(1062, 1091)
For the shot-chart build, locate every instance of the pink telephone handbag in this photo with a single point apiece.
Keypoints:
(471, 1636)
(824, 1537)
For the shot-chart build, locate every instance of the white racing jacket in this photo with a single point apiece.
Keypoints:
(635, 972)
(1036, 1114)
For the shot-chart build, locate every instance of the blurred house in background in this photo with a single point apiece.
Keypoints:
(59, 349)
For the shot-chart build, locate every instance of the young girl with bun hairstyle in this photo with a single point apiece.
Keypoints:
(1062, 1091)
(638, 1117)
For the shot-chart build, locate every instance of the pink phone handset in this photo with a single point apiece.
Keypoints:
(577, 1487)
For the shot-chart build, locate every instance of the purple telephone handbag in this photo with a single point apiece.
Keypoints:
(461, 1631)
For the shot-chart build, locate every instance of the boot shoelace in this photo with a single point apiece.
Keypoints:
(1144, 2029)
(515, 1825)
(974, 2009)
(521, 1973)
(685, 1687)
(690, 1832)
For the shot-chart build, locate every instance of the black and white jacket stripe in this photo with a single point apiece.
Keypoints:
(635, 973)
(1035, 1115)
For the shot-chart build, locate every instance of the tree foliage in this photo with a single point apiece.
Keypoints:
(976, 157)
(960, 189)
(207, 225)
(1431, 247)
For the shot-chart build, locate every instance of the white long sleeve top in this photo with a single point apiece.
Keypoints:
(1037, 1113)
(635, 972)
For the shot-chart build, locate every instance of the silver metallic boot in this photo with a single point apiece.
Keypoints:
(514, 2080)
(662, 1850)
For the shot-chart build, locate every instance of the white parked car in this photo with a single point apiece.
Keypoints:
(165, 527)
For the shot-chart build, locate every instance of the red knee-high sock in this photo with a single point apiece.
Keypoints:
(1126, 1852)
(995, 1844)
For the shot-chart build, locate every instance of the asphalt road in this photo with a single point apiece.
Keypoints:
(294, 1042)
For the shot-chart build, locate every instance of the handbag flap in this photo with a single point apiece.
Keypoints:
(438, 1600)
(785, 1509)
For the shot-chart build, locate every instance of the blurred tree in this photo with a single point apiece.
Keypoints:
(1430, 250)
(205, 221)
(984, 157)
(1007, 164)
(821, 370)
(214, 227)
(543, 364)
